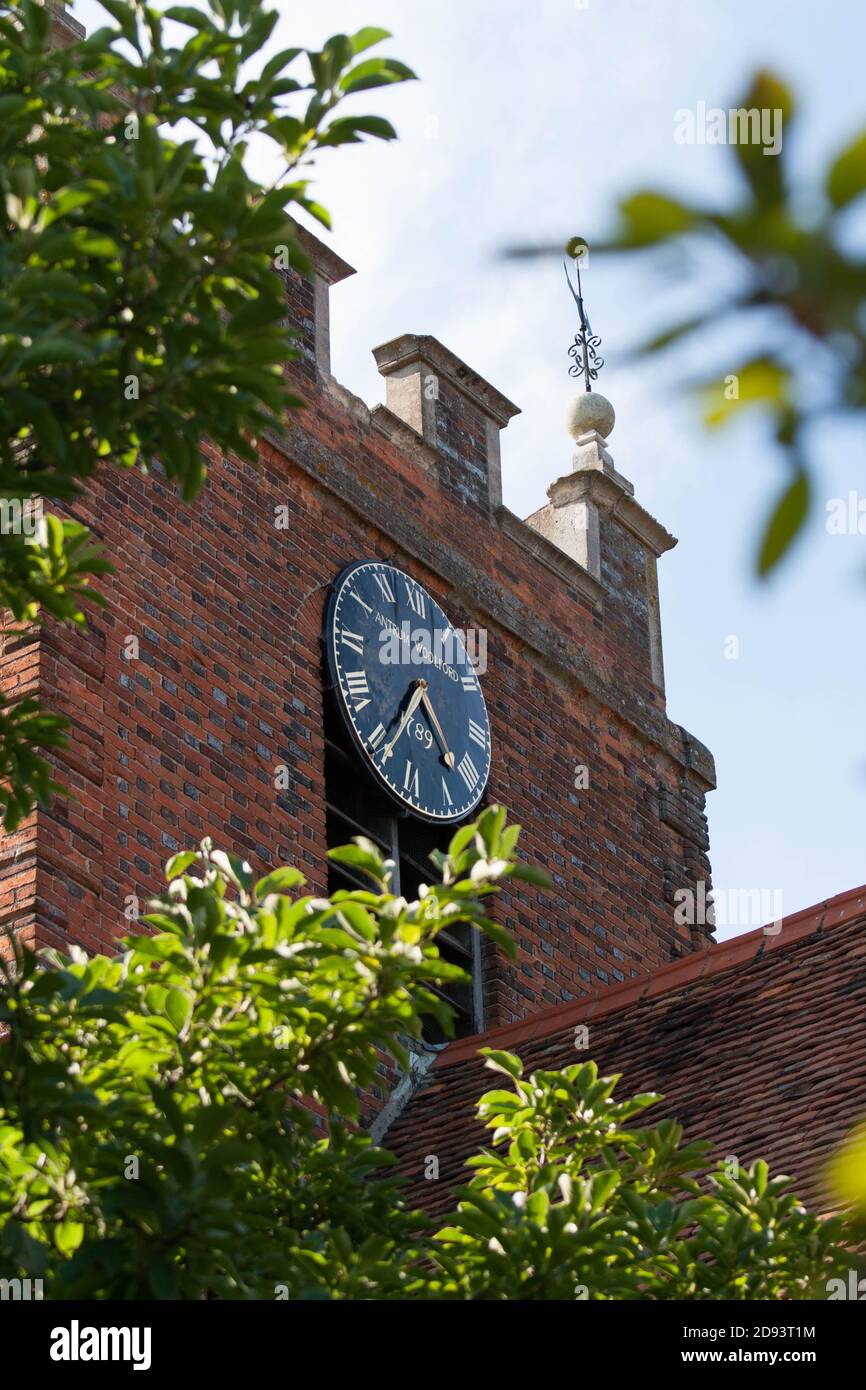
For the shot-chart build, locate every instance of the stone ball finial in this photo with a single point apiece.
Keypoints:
(590, 410)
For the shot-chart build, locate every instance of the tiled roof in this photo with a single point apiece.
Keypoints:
(757, 1043)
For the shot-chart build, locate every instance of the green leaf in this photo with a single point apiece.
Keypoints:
(254, 314)
(537, 1207)
(653, 217)
(505, 1062)
(194, 19)
(279, 881)
(280, 61)
(847, 1171)
(123, 13)
(236, 869)
(530, 873)
(762, 118)
(178, 1007)
(358, 918)
(67, 200)
(459, 841)
(68, 1235)
(362, 854)
(179, 863)
(93, 243)
(604, 1184)
(376, 72)
(768, 92)
(786, 520)
(348, 130)
(52, 348)
(490, 826)
(846, 179)
(367, 37)
(763, 381)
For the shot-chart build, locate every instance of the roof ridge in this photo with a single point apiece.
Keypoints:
(720, 956)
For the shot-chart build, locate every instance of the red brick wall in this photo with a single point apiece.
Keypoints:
(185, 740)
(19, 680)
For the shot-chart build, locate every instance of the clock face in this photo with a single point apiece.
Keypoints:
(407, 691)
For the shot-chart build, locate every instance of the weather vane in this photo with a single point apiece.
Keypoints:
(587, 362)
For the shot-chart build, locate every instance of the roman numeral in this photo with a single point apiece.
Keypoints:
(385, 588)
(410, 781)
(477, 734)
(468, 771)
(358, 687)
(468, 682)
(416, 600)
(446, 793)
(357, 597)
(375, 738)
(353, 640)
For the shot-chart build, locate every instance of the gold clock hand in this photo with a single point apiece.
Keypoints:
(420, 687)
(427, 703)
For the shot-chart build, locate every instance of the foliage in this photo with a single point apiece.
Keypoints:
(578, 1203)
(846, 1179)
(159, 1134)
(158, 1110)
(794, 280)
(139, 306)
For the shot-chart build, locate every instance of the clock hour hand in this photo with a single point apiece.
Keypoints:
(420, 687)
(446, 751)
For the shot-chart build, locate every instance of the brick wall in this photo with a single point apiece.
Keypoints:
(224, 685)
(19, 680)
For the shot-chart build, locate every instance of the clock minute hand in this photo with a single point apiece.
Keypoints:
(413, 704)
(427, 703)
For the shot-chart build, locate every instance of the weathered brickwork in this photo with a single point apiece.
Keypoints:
(19, 680)
(202, 677)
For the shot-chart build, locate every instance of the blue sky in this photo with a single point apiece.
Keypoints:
(529, 122)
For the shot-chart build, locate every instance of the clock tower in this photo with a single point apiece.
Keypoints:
(357, 636)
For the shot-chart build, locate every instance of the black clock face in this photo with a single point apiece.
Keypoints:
(407, 691)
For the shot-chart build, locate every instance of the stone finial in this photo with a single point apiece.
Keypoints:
(592, 515)
(590, 412)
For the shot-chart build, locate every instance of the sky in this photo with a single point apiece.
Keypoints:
(528, 123)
